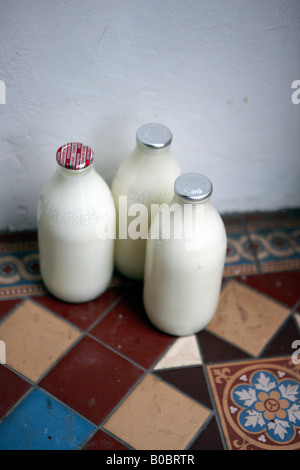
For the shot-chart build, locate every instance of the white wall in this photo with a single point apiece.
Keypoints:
(217, 72)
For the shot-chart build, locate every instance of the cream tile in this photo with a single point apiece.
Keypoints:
(184, 352)
(246, 318)
(34, 339)
(155, 416)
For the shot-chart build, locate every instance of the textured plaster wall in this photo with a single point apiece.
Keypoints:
(217, 72)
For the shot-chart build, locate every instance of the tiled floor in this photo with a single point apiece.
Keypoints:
(99, 376)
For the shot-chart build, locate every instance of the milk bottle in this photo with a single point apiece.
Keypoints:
(146, 177)
(76, 227)
(185, 258)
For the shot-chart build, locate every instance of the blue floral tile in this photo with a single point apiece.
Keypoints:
(40, 422)
(258, 403)
(269, 406)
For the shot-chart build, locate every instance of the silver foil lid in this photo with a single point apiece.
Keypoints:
(193, 187)
(154, 136)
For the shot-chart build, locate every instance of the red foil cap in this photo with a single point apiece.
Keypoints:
(74, 156)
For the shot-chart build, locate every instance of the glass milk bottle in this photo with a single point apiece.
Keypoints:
(76, 227)
(144, 180)
(185, 258)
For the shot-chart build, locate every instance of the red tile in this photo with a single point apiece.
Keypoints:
(18, 237)
(103, 441)
(91, 379)
(12, 388)
(281, 343)
(214, 348)
(127, 329)
(209, 439)
(190, 380)
(7, 305)
(85, 314)
(281, 286)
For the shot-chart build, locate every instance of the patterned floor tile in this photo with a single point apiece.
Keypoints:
(35, 339)
(19, 266)
(155, 416)
(276, 240)
(42, 423)
(92, 379)
(246, 318)
(240, 257)
(258, 403)
(127, 329)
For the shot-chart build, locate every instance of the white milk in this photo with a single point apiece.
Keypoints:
(183, 270)
(145, 177)
(76, 229)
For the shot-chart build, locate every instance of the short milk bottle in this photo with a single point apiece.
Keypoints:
(185, 257)
(144, 180)
(76, 227)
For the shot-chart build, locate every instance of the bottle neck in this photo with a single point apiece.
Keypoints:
(152, 152)
(180, 200)
(68, 173)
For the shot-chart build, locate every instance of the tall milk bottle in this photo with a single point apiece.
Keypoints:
(76, 227)
(185, 258)
(144, 180)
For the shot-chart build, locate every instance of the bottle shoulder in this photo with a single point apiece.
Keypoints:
(71, 191)
(146, 173)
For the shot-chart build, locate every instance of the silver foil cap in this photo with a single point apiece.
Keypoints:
(154, 136)
(193, 187)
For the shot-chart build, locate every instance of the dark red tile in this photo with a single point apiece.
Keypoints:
(7, 305)
(209, 439)
(127, 329)
(214, 349)
(12, 388)
(92, 379)
(190, 380)
(281, 343)
(103, 441)
(281, 286)
(85, 314)
(18, 237)
(278, 216)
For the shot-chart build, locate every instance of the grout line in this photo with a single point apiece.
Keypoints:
(106, 312)
(18, 402)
